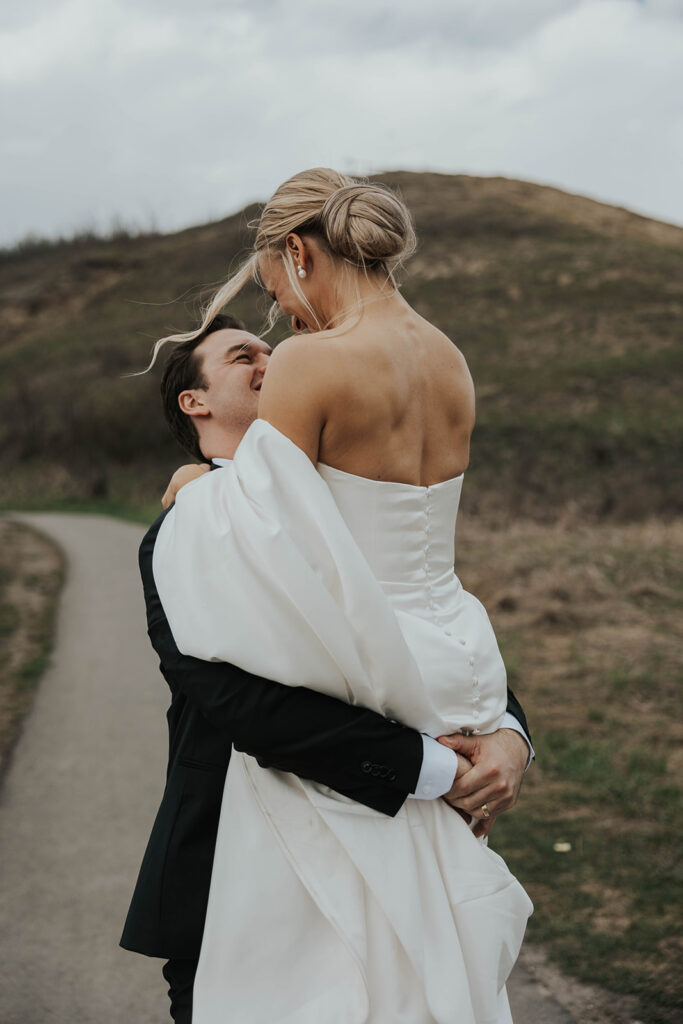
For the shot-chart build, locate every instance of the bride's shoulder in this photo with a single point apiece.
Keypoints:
(292, 349)
(298, 345)
(304, 359)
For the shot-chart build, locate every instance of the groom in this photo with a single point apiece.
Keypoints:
(210, 389)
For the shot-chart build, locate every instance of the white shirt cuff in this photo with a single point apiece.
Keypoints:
(510, 722)
(439, 768)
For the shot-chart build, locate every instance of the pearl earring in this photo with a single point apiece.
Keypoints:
(301, 272)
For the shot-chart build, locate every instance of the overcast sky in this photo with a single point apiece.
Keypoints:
(174, 112)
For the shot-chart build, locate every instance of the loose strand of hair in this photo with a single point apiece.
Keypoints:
(225, 294)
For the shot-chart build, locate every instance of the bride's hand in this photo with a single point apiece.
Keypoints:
(181, 477)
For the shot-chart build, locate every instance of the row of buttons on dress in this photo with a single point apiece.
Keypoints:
(434, 607)
(475, 693)
(427, 530)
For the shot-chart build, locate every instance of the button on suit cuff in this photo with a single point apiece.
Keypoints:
(439, 768)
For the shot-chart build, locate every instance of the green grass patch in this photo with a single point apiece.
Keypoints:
(608, 907)
(144, 514)
(30, 671)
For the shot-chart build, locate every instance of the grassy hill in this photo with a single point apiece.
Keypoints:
(567, 310)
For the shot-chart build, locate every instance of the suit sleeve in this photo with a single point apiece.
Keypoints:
(352, 750)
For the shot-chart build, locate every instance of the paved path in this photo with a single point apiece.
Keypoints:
(80, 796)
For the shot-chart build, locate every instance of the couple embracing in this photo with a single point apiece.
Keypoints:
(304, 606)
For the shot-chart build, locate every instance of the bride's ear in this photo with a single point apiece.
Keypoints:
(193, 402)
(296, 247)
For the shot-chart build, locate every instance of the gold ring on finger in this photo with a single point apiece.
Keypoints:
(485, 812)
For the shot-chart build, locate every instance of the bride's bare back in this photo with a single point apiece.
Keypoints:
(390, 398)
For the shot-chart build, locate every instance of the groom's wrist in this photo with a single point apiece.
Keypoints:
(512, 725)
(438, 771)
(520, 744)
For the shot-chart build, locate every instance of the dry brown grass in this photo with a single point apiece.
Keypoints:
(588, 613)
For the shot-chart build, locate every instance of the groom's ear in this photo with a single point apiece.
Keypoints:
(194, 402)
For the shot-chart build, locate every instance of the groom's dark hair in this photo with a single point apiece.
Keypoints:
(183, 372)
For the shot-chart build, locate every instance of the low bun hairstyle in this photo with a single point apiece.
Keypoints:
(364, 225)
(360, 222)
(367, 225)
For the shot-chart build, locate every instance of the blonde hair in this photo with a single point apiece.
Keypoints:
(363, 225)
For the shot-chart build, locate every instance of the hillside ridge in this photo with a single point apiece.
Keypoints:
(550, 200)
(568, 311)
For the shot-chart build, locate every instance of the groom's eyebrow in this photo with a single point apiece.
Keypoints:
(244, 346)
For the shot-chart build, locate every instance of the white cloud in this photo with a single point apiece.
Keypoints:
(184, 112)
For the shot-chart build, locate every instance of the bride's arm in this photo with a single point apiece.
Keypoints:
(296, 392)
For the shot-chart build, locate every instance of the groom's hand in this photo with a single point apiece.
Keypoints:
(499, 760)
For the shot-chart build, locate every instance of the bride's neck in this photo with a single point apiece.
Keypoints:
(365, 296)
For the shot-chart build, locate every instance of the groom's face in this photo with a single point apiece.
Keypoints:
(233, 364)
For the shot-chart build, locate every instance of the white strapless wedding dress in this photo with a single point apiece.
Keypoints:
(321, 910)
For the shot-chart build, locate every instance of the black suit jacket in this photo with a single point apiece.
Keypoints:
(213, 705)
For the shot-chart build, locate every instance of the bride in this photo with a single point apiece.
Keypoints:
(337, 517)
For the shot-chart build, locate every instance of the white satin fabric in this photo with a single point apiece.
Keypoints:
(322, 910)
